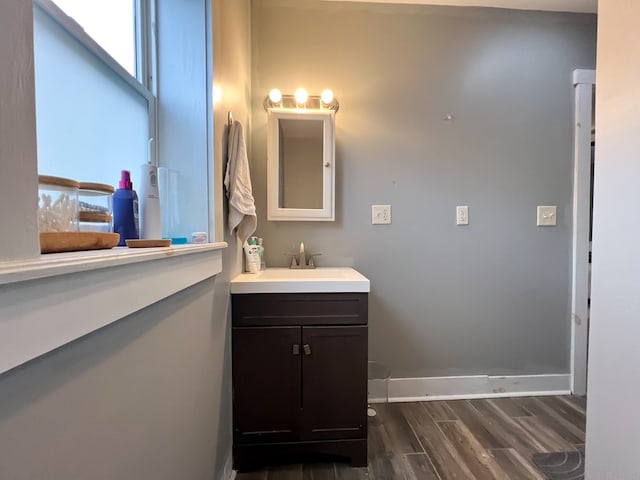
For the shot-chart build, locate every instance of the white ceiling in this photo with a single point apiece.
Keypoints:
(583, 6)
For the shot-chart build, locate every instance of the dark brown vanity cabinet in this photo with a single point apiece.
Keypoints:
(299, 376)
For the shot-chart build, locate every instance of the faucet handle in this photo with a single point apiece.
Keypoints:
(310, 257)
(294, 261)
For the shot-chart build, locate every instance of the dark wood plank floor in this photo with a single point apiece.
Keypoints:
(455, 440)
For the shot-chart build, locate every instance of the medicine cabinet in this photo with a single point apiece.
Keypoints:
(301, 164)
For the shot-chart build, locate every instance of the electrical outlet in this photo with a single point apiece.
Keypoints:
(380, 214)
(462, 215)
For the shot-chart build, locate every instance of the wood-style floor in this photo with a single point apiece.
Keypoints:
(461, 440)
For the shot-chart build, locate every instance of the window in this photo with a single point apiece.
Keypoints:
(93, 118)
(111, 23)
(91, 122)
(98, 110)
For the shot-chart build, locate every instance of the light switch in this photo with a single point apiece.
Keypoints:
(547, 216)
(462, 215)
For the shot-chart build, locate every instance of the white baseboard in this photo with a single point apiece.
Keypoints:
(377, 391)
(467, 387)
(229, 473)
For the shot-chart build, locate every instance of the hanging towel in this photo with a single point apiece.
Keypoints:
(237, 182)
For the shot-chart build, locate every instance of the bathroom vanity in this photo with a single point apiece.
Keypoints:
(299, 348)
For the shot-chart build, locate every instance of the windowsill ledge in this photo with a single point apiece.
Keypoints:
(72, 262)
(52, 300)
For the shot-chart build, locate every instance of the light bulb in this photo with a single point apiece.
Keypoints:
(301, 95)
(275, 95)
(217, 93)
(326, 96)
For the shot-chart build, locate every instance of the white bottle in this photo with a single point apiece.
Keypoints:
(149, 199)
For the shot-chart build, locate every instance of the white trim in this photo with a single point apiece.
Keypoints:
(148, 49)
(583, 80)
(146, 67)
(228, 472)
(73, 262)
(473, 386)
(41, 315)
(145, 23)
(581, 75)
(378, 390)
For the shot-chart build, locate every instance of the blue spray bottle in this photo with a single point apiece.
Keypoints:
(125, 209)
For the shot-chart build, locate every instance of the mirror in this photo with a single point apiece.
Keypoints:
(300, 164)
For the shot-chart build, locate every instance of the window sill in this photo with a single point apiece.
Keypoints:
(57, 298)
(72, 262)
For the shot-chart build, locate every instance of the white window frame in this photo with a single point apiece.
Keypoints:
(146, 41)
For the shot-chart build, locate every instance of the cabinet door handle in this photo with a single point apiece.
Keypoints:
(296, 349)
(307, 349)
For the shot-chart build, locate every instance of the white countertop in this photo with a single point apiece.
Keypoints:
(285, 280)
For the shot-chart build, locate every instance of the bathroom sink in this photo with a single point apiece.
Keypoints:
(317, 280)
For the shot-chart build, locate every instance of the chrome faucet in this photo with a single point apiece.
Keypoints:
(301, 261)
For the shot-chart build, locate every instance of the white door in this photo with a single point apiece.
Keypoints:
(584, 85)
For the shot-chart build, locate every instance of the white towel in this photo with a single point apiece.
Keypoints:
(237, 181)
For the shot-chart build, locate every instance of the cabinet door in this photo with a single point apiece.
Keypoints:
(266, 383)
(334, 382)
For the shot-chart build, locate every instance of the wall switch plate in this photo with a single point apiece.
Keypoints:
(462, 215)
(547, 216)
(380, 214)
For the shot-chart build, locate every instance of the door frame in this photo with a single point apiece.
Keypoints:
(583, 83)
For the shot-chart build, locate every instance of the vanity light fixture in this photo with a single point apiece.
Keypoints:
(301, 100)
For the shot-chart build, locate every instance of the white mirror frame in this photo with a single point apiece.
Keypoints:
(274, 211)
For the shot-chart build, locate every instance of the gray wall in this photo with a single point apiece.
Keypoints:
(613, 424)
(139, 399)
(231, 72)
(489, 298)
